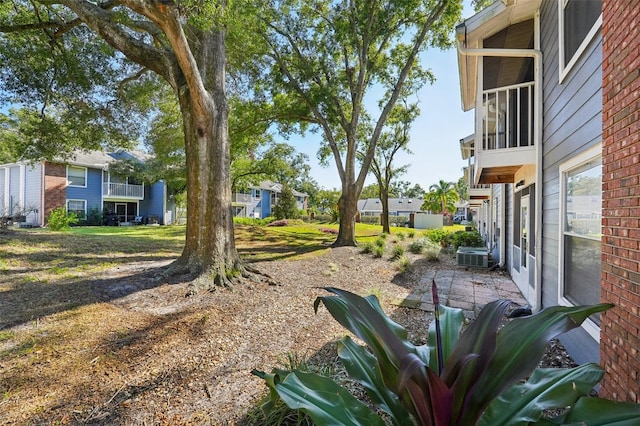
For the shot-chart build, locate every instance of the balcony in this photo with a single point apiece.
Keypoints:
(123, 190)
(240, 198)
(477, 192)
(505, 141)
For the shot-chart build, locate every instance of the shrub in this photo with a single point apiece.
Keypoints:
(286, 207)
(431, 251)
(397, 251)
(438, 236)
(411, 233)
(371, 220)
(403, 263)
(367, 247)
(401, 236)
(380, 242)
(466, 239)
(379, 251)
(417, 245)
(469, 378)
(322, 218)
(60, 220)
(94, 217)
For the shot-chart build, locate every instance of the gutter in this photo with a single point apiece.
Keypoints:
(536, 54)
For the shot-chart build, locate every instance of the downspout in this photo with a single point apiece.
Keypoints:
(536, 54)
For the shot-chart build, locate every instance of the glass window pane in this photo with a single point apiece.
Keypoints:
(579, 18)
(583, 203)
(582, 233)
(77, 207)
(582, 263)
(76, 176)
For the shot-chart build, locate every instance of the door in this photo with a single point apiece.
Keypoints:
(121, 211)
(524, 232)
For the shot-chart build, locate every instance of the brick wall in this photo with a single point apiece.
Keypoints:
(55, 187)
(620, 330)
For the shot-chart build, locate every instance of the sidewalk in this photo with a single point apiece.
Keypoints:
(466, 288)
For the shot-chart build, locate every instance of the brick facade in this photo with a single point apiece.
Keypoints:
(620, 329)
(55, 187)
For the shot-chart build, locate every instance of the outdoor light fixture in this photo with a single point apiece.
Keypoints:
(520, 183)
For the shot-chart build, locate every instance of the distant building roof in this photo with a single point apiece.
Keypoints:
(101, 159)
(276, 187)
(403, 205)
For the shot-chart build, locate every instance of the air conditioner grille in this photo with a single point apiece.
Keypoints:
(472, 256)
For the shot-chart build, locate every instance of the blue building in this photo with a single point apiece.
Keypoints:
(82, 184)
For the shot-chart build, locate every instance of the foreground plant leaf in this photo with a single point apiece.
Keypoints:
(363, 367)
(602, 412)
(402, 368)
(519, 346)
(320, 398)
(547, 388)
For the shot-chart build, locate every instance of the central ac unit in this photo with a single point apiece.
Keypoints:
(472, 256)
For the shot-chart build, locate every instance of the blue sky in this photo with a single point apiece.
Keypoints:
(435, 135)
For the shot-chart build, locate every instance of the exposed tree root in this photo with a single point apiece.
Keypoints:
(219, 277)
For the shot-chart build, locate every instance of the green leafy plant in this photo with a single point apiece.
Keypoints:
(431, 251)
(466, 239)
(438, 236)
(378, 251)
(469, 378)
(60, 220)
(417, 245)
(397, 251)
(367, 247)
(403, 263)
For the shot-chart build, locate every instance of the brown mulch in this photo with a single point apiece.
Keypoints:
(149, 355)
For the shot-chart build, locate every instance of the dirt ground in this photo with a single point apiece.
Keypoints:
(144, 354)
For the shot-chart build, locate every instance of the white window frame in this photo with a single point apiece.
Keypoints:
(566, 69)
(589, 155)
(75, 200)
(85, 176)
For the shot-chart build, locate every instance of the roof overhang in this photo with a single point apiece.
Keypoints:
(471, 33)
(466, 146)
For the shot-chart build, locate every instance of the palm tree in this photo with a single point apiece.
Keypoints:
(446, 195)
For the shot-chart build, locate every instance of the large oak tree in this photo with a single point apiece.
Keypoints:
(59, 53)
(326, 59)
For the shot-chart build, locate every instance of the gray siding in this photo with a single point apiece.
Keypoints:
(572, 123)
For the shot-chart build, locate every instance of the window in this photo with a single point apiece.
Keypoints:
(256, 194)
(79, 207)
(579, 21)
(77, 176)
(581, 230)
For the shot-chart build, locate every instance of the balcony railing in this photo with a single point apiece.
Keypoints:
(507, 117)
(239, 197)
(123, 190)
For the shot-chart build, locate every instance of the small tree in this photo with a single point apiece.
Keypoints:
(286, 207)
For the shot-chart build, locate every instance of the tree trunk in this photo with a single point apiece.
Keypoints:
(384, 219)
(209, 250)
(348, 207)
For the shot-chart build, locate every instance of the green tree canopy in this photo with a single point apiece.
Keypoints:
(83, 72)
(325, 58)
(441, 198)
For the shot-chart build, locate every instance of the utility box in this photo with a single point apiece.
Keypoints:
(473, 256)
